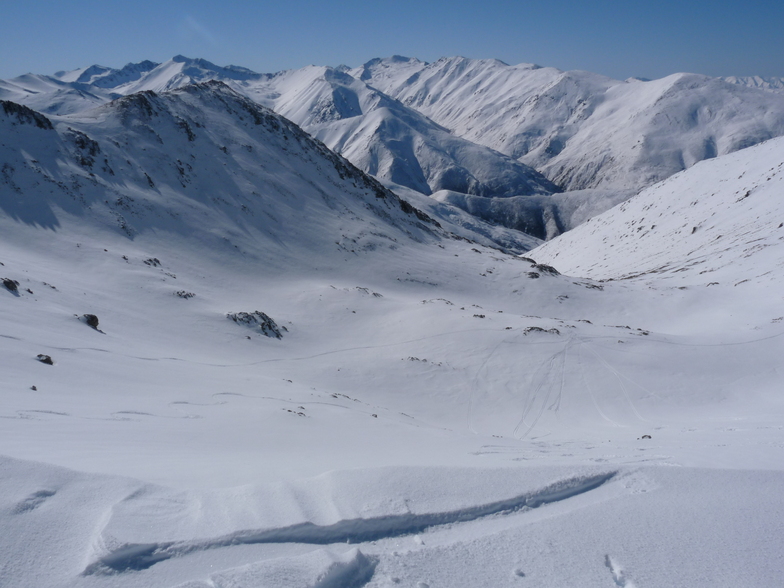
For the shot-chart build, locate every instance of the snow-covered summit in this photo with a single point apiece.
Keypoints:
(181, 71)
(151, 162)
(388, 140)
(775, 84)
(476, 128)
(584, 130)
(105, 77)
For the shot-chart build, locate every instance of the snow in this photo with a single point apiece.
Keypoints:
(580, 129)
(480, 128)
(720, 221)
(775, 84)
(437, 412)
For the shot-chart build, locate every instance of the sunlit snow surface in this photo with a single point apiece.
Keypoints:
(436, 413)
(467, 130)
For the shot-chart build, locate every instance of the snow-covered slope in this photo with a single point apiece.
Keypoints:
(51, 96)
(150, 162)
(376, 133)
(542, 216)
(106, 77)
(384, 138)
(720, 222)
(775, 84)
(580, 129)
(435, 412)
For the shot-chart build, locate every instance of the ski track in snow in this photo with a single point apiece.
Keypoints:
(552, 374)
(591, 393)
(136, 557)
(620, 382)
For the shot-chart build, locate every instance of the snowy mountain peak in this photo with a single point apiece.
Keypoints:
(583, 130)
(376, 67)
(129, 73)
(774, 84)
(203, 160)
(106, 77)
(199, 69)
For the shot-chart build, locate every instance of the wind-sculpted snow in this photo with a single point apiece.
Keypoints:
(143, 556)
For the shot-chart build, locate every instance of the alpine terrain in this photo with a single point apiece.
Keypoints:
(500, 142)
(282, 329)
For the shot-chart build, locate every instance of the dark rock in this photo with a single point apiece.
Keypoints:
(26, 115)
(12, 285)
(45, 359)
(547, 269)
(257, 318)
(552, 331)
(91, 320)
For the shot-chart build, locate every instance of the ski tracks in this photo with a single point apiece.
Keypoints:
(553, 375)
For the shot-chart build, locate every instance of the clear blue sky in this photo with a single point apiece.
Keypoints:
(618, 39)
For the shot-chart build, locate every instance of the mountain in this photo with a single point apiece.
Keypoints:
(231, 358)
(775, 84)
(51, 96)
(376, 133)
(390, 141)
(580, 129)
(150, 162)
(105, 77)
(719, 222)
(474, 129)
(181, 71)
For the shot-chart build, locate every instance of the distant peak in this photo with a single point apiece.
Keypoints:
(146, 64)
(393, 59)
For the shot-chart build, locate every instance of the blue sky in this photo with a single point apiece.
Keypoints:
(618, 39)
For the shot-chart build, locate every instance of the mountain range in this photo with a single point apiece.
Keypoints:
(478, 129)
(232, 357)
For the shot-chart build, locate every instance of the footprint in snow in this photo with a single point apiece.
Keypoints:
(33, 501)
